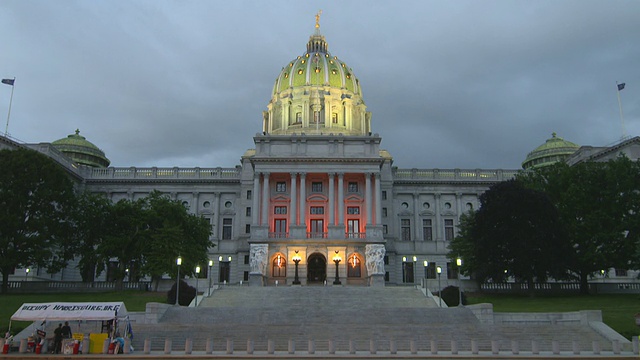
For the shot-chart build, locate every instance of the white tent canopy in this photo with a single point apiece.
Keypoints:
(62, 311)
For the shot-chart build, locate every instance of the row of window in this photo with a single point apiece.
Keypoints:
(427, 229)
(317, 187)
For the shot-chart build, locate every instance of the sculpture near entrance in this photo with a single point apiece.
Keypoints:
(258, 258)
(375, 259)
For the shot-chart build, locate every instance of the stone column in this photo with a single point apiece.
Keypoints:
(332, 215)
(367, 196)
(439, 224)
(292, 211)
(196, 197)
(340, 204)
(265, 199)
(303, 198)
(416, 217)
(215, 220)
(378, 195)
(255, 199)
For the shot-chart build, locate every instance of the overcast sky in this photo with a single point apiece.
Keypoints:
(451, 84)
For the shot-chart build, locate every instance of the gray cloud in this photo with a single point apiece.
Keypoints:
(462, 84)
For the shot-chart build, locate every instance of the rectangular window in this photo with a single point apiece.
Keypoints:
(317, 228)
(384, 195)
(448, 229)
(248, 194)
(427, 230)
(281, 186)
(245, 276)
(431, 270)
(385, 259)
(247, 229)
(280, 227)
(353, 210)
(317, 210)
(384, 212)
(352, 187)
(405, 229)
(226, 229)
(452, 271)
(248, 211)
(298, 117)
(246, 259)
(334, 118)
(621, 272)
(280, 210)
(316, 187)
(385, 230)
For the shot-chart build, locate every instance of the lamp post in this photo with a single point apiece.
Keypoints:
(197, 276)
(26, 274)
(296, 260)
(439, 271)
(178, 262)
(459, 264)
(415, 259)
(126, 272)
(404, 269)
(209, 273)
(337, 259)
(426, 266)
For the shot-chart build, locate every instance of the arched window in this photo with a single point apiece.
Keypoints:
(354, 266)
(279, 266)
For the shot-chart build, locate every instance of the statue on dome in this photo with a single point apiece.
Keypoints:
(318, 19)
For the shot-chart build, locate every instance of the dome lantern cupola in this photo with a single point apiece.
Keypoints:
(81, 151)
(316, 93)
(554, 150)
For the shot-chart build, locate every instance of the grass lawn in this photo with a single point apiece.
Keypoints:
(133, 300)
(618, 310)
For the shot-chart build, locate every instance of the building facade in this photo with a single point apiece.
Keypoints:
(317, 197)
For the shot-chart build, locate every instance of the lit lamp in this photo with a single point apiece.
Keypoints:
(296, 259)
(426, 266)
(197, 276)
(209, 273)
(178, 262)
(220, 258)
(26, 274)
(415, 259)
(459, 263)
(126, 272)
(337, 259)
(439, 271)
(404, 269)
(229, 259)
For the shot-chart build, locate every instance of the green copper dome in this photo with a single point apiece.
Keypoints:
(82, 151)
(316, 93)
(552, 151)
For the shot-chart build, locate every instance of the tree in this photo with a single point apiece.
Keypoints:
(598, 203)
(516, 232)
(36, 196)
(126, 233)
(89, 229)
(174, 232)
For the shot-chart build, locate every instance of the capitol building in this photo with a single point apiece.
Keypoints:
(318, 195)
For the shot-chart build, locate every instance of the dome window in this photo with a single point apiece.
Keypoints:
(307, 55)
(290, 64)
(334, 72)
(335, 57)
(286, 75)
(303, 61)
(330, 61)
(348, 76)
(298, 57)
(326, 55)
(343, 65)
(317, 69)
(300, 72)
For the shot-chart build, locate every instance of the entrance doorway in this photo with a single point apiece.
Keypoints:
(316, 268)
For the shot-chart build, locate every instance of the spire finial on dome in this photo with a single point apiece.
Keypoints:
(77, 131)
(318, 19)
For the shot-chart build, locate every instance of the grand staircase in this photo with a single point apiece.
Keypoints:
(341, 314)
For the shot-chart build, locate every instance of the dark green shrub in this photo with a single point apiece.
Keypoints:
(187, 293)
(451, 296)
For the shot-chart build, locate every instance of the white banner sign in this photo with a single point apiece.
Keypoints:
(70, 311)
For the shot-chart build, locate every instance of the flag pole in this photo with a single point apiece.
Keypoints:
(621, 114)
(6, 128)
